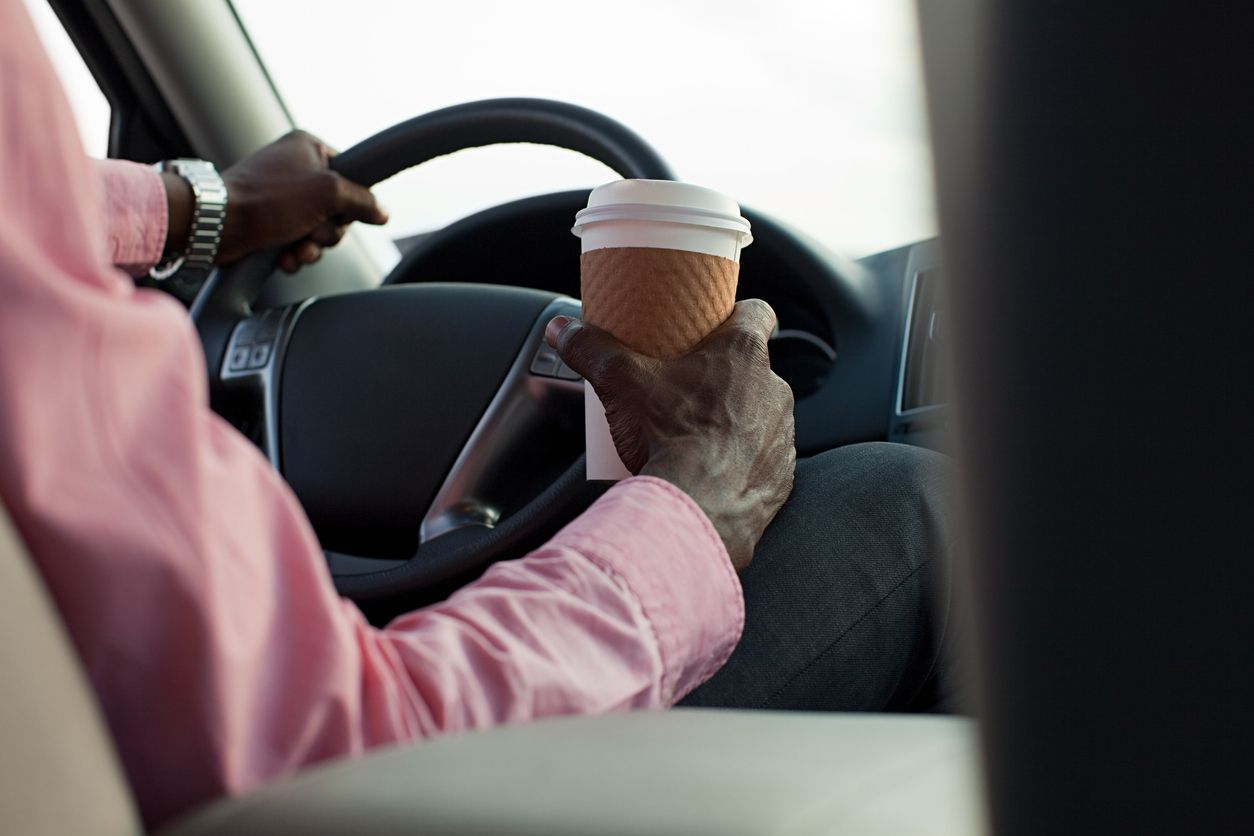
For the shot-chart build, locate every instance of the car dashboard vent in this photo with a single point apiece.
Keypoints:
(922, 374)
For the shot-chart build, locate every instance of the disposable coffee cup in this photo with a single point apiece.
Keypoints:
(659, 266)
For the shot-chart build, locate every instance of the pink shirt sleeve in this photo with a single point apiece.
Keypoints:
(187, 574)
(136, 214)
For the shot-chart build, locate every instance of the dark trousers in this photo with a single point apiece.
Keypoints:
(847, 601)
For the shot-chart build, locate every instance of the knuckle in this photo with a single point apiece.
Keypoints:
(570, 343)
(755, 307)
(612, 367)
(328, 234)
(747, 341)
(329, 186)
(761, 314)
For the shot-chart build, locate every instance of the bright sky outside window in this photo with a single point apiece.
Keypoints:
(810, 112)
(91, 108)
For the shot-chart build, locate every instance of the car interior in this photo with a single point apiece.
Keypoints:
(992, 343)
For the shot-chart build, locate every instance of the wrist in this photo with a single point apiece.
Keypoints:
(240, 217)
(715, 492)
(199, 227)
(179, 204)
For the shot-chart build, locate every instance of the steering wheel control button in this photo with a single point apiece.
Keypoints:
(565, 372)
(260, 355)
(239, 359)
(546, 362)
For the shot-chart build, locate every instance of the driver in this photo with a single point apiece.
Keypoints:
(195, 591)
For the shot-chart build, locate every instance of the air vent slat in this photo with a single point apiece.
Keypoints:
(922, 378)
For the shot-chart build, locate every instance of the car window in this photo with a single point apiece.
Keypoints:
(811, 112)
(91, 108)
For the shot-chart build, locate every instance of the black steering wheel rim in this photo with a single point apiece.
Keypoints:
(498, 121)
(229, 294)
(228, 297)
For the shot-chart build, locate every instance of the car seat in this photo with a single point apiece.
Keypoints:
(684, 771)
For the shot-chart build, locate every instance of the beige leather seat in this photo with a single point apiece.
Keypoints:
(58, 771)
(681, 772)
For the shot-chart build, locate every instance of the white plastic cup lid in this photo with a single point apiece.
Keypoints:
(663, 201)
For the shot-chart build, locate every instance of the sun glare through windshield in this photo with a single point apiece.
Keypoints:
(810, 112)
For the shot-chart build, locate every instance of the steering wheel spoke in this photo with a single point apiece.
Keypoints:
(425, 428)
(537, 388)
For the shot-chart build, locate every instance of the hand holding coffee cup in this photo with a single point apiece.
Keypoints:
(659, 266)
(698, 408)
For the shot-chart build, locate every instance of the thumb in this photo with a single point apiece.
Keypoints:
(353, 202)
(589, 350)
(755, 316)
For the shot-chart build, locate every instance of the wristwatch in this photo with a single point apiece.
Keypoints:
(208, 218)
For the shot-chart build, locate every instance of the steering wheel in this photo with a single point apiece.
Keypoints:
(426, 428)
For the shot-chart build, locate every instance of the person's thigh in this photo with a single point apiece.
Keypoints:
(846, 599)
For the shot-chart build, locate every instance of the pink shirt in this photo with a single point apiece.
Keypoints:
(187, 574)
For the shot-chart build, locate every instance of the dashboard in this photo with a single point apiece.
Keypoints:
(846, 341)
(372, 393)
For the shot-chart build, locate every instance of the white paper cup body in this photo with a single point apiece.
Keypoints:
(603, 460)
(650, 213)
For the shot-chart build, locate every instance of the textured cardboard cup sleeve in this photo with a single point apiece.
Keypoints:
(658, 302)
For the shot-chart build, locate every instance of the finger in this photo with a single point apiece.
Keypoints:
(353, 202)
(327, 151)
(314, 143)
(755, 316)
(307, 252)
(594, 353)
(327, 234)
(288, 262)
(555, 326)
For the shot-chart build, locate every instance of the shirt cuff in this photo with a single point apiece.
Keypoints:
(136, 214)
(659, 543)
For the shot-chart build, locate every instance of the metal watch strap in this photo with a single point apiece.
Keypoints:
(208, 218)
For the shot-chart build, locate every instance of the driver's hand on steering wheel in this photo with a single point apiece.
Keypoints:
(284, 195)
(717, 422)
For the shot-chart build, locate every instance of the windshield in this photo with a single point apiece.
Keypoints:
(809, 112)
